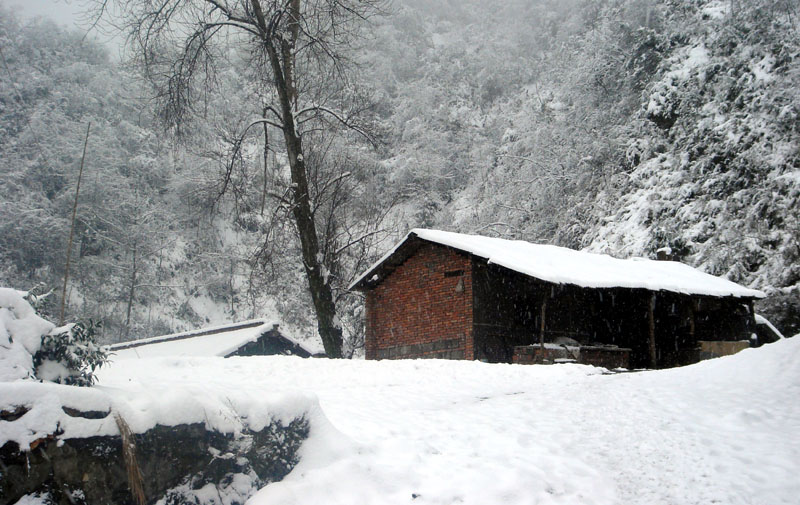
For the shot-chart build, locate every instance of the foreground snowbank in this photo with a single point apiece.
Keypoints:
(441, 432)
(21, 331)
(35, 410)
(142, 406)
(67, 444)
(192, 442)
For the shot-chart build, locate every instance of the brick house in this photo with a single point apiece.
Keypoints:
(447, 295)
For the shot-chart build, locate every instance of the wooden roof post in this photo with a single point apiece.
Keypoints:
(541, 329)
(652, 324)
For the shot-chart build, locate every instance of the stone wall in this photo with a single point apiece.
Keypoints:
(178, 465)
(423, 309)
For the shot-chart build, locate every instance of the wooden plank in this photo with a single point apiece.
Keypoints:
(652, 333)
(541, 331)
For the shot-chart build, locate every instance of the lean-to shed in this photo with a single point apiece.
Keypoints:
(257, 337)
(439, 294)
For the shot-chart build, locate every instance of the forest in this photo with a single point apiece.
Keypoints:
(616, 126)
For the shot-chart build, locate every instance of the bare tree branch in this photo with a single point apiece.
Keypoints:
(345, 121)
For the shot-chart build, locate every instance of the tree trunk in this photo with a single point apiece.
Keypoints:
(72, 230)
(232, 287)
(321, 294)
(131, 292)
(266, 159)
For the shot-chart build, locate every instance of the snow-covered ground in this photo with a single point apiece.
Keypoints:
(442, 432)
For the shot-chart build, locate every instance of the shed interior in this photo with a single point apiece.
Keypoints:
(512, 309)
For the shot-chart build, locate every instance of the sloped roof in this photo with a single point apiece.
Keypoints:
(207, 342)
(561, 265)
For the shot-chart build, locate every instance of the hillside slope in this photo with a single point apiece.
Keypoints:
(618, 126)
(149, 256)
(715, 165)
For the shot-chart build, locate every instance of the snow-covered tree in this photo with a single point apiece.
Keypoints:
(298, 51)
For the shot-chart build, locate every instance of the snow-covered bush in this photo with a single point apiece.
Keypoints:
(21, 331)
(70, 355)
(33, 348)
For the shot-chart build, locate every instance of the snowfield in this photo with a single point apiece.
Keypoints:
(723, 431)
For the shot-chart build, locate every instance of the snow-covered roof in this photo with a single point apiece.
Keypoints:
(561, 265)
(214, 341)
(763, 320)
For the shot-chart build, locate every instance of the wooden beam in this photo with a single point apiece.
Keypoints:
(542, 326)
(652, 333)
(751, 321)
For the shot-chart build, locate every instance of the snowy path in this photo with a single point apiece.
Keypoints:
(434, 432)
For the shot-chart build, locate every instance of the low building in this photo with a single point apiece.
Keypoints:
(257, 337)
(438, 294)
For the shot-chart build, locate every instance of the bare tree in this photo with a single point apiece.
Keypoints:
(294, 45)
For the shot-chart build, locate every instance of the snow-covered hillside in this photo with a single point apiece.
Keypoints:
(714, 165)
(621, 127)
(441, 432)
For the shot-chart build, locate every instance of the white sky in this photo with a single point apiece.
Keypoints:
(68, 13)
(64, 12)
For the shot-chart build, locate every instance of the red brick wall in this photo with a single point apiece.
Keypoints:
(418, 311)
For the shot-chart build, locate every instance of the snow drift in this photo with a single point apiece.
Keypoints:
(442, 432)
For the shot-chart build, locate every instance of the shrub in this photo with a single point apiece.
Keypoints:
(70, 355)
